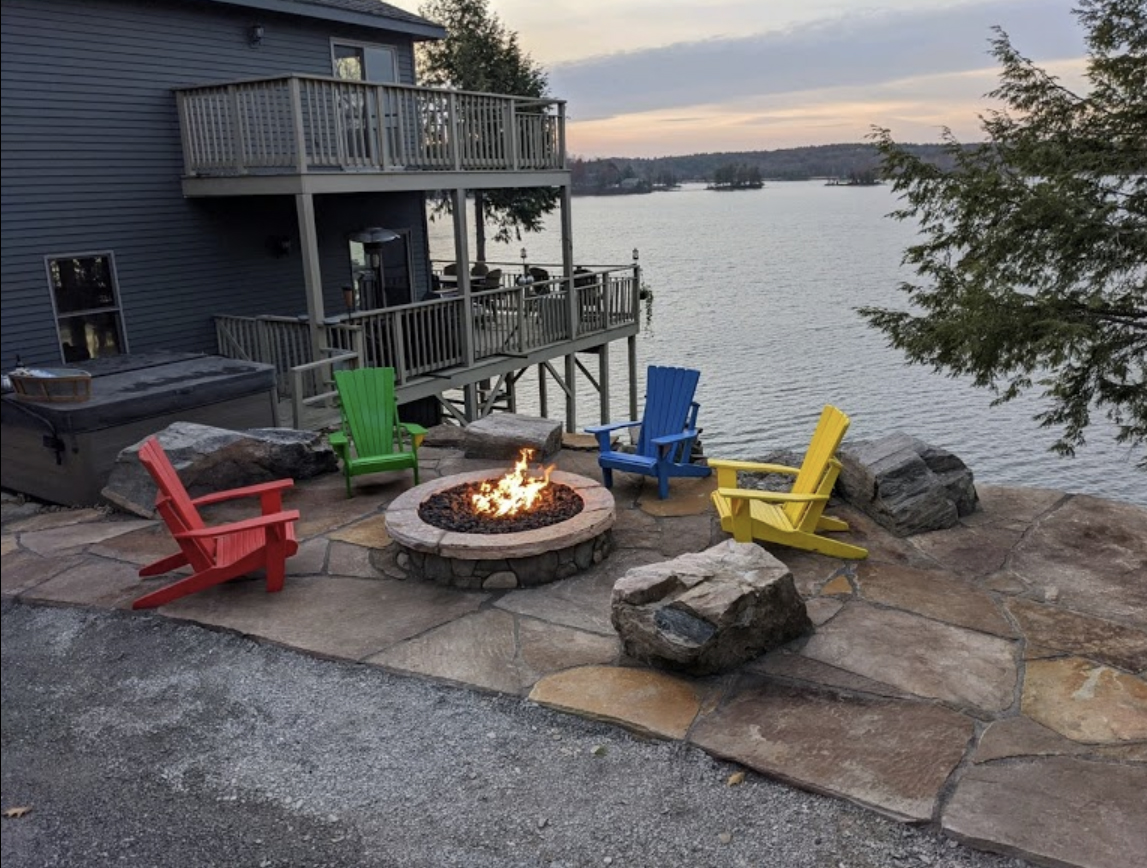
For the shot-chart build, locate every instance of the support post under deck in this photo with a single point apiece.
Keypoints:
(603, 381)
(312, 274)
(571, 393)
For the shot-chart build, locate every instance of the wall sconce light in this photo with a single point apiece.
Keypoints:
(523, 255)
(635, 254)
(348, 298)
(255, 34)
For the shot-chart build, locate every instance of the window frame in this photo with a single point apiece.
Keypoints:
(355, 43)
(116, 308)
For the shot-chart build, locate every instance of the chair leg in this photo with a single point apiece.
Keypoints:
(349, 487)
(416, 472)
(164, 565)
(607, 476)
(190, 585)
(663, 483)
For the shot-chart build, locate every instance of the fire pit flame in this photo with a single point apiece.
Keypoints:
(514, 493)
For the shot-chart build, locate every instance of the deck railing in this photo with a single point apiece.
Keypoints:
(300, 124)
(430, 337)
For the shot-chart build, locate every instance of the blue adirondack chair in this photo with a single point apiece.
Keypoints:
(668, 430)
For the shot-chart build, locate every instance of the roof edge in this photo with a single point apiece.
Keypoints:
(429, 30)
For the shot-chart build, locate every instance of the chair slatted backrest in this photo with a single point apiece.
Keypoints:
(174, 505)
(819, 469)
(668, 402)
(370, 410)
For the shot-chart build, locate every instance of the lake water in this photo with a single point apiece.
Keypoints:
(758, 290)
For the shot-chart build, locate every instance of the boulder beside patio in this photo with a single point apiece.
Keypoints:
(988, 679)
(707, 612)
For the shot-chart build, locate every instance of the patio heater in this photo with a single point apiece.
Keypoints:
(371, 283)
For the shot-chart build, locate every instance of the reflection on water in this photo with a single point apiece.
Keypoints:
(758, 290)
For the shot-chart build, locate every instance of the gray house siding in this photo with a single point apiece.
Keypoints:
(92, 162)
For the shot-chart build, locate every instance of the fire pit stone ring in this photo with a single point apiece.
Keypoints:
(522, 559)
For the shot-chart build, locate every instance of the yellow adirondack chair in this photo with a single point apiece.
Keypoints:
(794, 518)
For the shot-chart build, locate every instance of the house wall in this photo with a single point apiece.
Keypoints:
(92, 162)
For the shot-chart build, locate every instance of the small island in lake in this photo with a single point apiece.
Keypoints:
(736, 176)
(861, 178)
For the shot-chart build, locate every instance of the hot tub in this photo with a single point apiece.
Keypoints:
(64, 452)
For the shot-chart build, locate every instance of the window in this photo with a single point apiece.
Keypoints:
(358, 61)
(87, 306)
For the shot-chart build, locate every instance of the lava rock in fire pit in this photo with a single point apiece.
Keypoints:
(708, 611)
(453, 509)
(505, 435)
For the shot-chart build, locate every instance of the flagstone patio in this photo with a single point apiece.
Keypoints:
(988, 679)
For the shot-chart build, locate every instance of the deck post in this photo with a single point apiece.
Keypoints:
(603, 381)
(312, 274)
(543, 398)
(631, 346)
(567, 259)
(462, 258)
(571, 393)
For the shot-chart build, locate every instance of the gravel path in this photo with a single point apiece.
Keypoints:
(139, 741)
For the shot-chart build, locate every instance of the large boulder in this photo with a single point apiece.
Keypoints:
(705, 612)
(212, 459)
(504, 435)
(905, 484)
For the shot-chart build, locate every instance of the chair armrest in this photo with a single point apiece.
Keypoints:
(239, 526)
(670, 439)
(603, 429)
(773, 496)
(338, 439)
(417, 432)
(247, 491)
(753, 466)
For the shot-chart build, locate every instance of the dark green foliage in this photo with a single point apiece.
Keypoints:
(737, 176)
(1033, 261)
(480, 54)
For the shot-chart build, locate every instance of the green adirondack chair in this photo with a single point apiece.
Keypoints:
(371, 429)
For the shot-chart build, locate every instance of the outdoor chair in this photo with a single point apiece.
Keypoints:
(668, 430)
(794, 518)
(372, 438)
(222, 552)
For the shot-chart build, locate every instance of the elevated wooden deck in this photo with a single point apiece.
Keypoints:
(448, 343)
(311, 134)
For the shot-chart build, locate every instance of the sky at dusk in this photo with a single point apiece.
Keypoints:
(646, 79)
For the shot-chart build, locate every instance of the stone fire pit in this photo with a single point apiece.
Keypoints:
(502, 560)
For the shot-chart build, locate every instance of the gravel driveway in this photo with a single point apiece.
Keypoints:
(139, 741)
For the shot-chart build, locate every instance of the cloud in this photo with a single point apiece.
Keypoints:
(857, 49)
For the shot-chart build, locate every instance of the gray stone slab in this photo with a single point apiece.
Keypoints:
(971, 670)
(791, 666)
(345, 559)
(492, 650)
(969, 551)
(1094, 552)
(934, 593)
(1057, 628)
(73, 537)
(581, 602)
(55, 518)
(883, 754)
(1062, 811)
(310, 560)
(23, 570)
(96, 582)
(336, 617)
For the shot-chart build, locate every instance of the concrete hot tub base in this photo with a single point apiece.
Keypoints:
(476, 561)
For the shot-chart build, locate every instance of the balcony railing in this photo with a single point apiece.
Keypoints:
(429, 337)
(300, 124)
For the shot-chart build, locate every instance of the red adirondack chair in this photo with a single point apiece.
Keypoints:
(227, 551)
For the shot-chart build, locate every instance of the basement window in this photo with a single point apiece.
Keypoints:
(86, 302)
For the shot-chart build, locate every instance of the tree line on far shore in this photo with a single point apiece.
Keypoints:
(855, 163)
